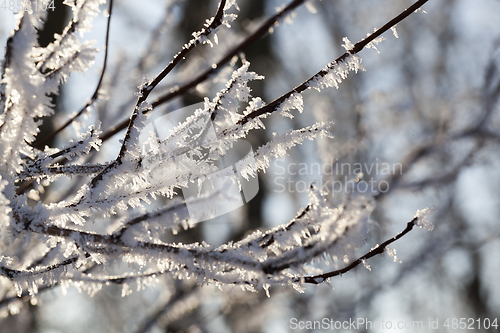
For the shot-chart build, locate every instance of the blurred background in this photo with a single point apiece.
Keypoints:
(420, 127)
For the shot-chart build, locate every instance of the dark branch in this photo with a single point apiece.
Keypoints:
(317, 279)
(273, 106)
(14, 273)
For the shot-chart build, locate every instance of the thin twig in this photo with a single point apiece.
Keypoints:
(209, 72)
(95, 95)
(273, 106)
(317, 279)
(12, 274)
(146, 90)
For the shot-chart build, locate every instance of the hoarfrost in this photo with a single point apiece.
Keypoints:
(422, 218)
(115, 217)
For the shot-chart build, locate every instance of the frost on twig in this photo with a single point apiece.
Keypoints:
(422, 218)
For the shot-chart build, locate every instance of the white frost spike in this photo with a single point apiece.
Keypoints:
(394, 31)
(278, 146)
(422, 215)
(231, 3)
(266, 287)
(295, 101)
(373, 44)
(202, 37)
(348, 45)
(392, 254)
(126, 290)
(19, 288)
(336, 72)
(311, 6)
(4, 208)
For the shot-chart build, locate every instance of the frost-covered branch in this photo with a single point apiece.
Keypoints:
(184, 88)
(419, 219)
(95, 95)
(220, 18)
(130, 209)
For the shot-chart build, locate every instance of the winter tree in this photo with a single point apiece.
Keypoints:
(154, 188)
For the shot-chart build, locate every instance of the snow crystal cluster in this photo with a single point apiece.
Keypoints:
(422, 218)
